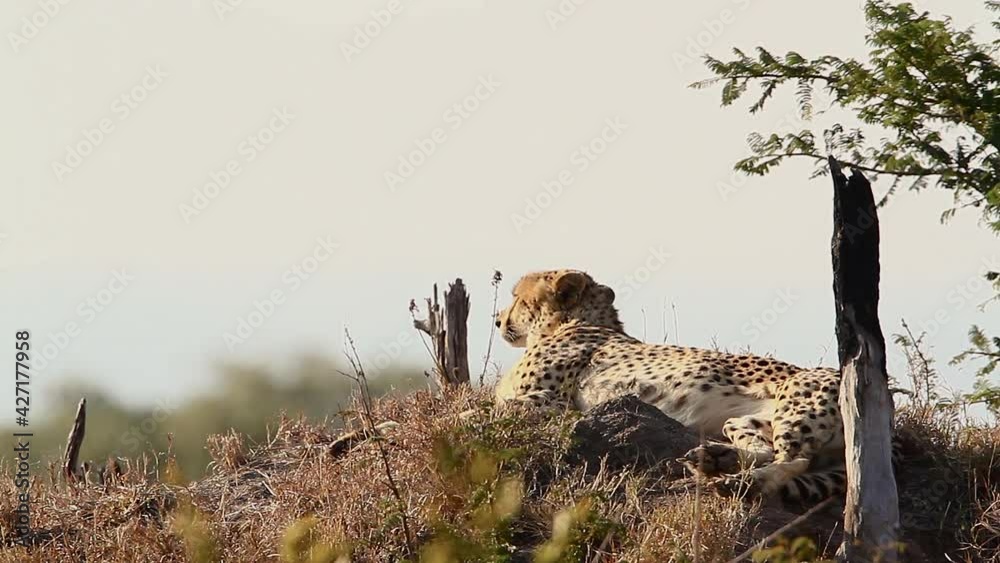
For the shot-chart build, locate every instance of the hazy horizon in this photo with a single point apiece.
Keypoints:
(309, 132)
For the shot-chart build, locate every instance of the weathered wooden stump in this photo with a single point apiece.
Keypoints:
(71, 459)
(448, 332)
(871, 515)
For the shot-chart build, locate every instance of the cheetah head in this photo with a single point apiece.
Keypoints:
(544, 301)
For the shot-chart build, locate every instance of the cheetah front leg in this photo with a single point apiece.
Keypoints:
(792, 451)
(806, 422)
(540, 400)
(752, 437)
(543, 379)
(537, 389)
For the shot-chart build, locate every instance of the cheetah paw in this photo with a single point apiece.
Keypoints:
(712, 459)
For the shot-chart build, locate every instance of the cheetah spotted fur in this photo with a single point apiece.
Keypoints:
(778, 418)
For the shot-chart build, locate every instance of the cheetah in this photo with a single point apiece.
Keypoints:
(777, 417)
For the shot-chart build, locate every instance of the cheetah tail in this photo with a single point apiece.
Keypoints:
(817, 486)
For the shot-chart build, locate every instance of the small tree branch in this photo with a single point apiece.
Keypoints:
(859, 166)
(791, 524)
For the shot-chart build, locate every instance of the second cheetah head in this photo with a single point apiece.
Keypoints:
(544, 301)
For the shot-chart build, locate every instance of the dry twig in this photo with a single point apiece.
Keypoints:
(366, 406)
(497, 278)
(770, 537)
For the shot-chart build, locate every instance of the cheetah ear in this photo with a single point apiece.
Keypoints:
(569, 287)
(607, 292)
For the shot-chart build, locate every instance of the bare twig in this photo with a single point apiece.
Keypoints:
(770, 537)
(696, 539)
(677, 332)
(663, 320)
(602, 547)
(925, 365)
(433, 327)
(829, 538)
(497, 278)
(366, 405)
(74, 441)
(424, 329)
(643, 311)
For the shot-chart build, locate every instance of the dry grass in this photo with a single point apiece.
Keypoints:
(948, 483)
(668, 529)
(488, 487)
(255, 494)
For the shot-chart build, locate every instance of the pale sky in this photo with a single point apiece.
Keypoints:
(119, 114)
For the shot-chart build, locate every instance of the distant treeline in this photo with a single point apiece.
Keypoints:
(248, 398)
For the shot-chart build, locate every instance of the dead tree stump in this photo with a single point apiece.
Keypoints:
(71, 459)
(448, 332)
(456, 313)
(871, 515)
